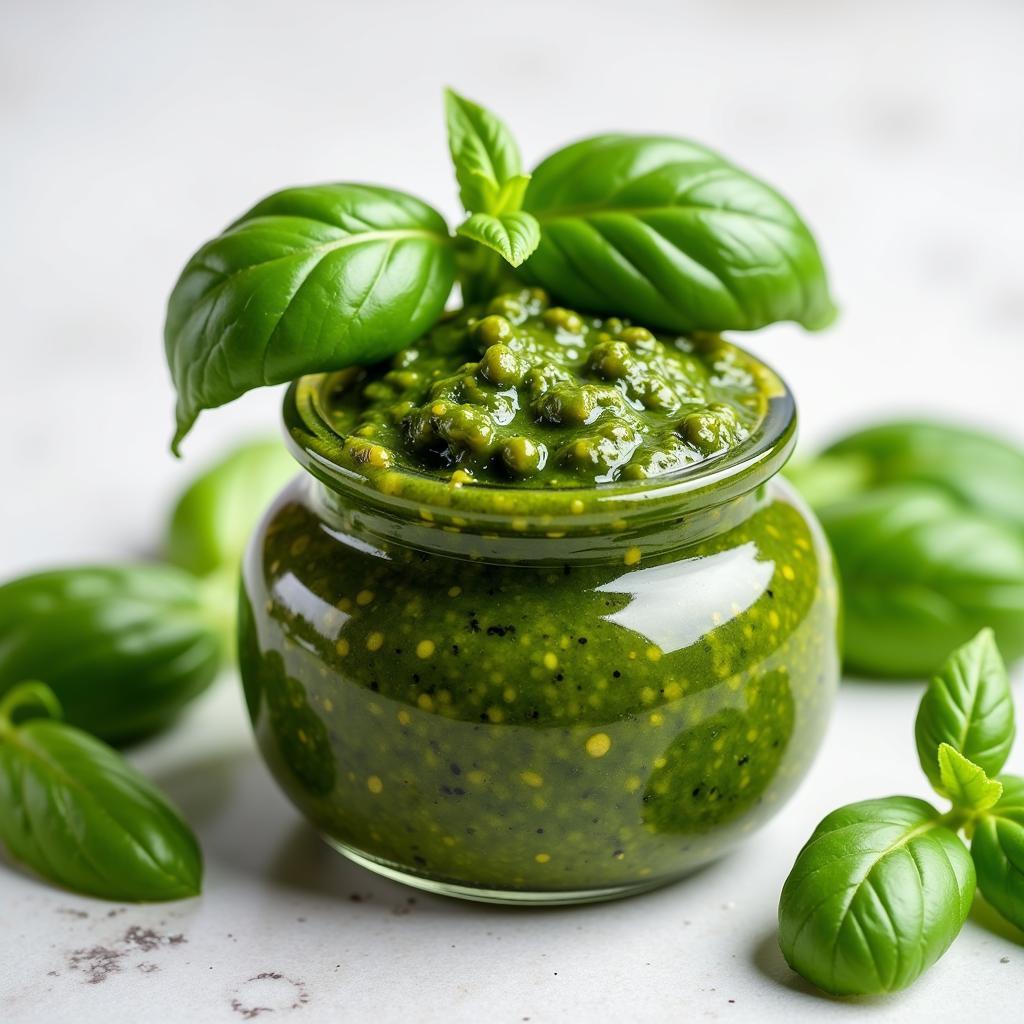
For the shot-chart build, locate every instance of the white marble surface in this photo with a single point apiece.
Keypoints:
(131, 131)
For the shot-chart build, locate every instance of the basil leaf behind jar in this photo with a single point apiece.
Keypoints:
(921, 574)
(875, 897)
(998, 851)
(125, 648)
(982, 472)
(673, 235)
(78, 814)
(213, 519)
(309, 280)
(967, 705)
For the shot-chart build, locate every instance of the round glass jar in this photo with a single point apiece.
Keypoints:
(534, 696)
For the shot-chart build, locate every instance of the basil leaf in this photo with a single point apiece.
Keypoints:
(981, 472)
(485, 156)
(968, 705)
(998, 852)
(213, 519)
(125, 648)
(875, 897)
(310, 279)
(920, 573)
(964, 782)
(79, 815)
(671, 234)
(514, 236)
(827, 478)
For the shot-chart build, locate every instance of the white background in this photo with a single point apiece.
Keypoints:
(131, 132)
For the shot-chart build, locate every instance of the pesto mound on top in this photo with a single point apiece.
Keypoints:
(521, 392)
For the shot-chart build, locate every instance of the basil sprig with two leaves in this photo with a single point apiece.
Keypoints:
(75, 812)
(927, 524)
(883, 886)
(324, 277)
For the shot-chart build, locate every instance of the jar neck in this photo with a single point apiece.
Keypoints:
(553, 525)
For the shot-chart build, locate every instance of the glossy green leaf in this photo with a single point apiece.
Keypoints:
(964, 782)
(981, 471)
(513, 236)
(998, 852)
(75, 812)
(213, 519)
(968, 705)
(309, 280)
(921, 574)
(828, 478)
(485, 155)
(673, 235)
(123, 647)
(875, 897)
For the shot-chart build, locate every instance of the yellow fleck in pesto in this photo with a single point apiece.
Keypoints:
(404, 717)
(542, 858)
(364, 597)
(599, 744)
(374, 784)
(375, 641)
(425, 649)
(531, 779)
(632, 556)
(454, 591)
(342, 647)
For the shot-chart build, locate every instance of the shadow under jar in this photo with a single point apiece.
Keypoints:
(487, 701)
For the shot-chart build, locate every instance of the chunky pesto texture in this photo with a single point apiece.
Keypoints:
(549, 727)
(520, 392)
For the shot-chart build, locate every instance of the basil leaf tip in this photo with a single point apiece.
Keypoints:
(76, 813)
(964, 782)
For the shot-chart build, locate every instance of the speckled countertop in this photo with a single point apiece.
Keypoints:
(132, 131)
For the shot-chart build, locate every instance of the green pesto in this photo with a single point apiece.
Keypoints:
(543, 729)
(522, 393)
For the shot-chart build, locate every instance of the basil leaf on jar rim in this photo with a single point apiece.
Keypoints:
(998, 852)
(125, 648)
(213, 519)
(309, 280)
(76, 813)
(967, 705)
(667, 232)
(875, 897)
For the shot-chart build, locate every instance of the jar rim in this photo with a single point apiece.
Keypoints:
(316, 445)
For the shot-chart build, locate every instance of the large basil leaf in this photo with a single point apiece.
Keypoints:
(310, 279)
(79, 815)
(671, 234)
(982, 472)
(875, 898)
(213, 519)
(921, 574)
(123, 647)
(969, 706)
(998, 852)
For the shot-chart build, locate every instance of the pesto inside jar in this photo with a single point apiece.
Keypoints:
(523, 393)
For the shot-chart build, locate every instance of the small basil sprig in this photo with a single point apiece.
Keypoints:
(489, 170)
(214, 517)
(320, 278)
(125, 648)
(75, 812)
(882, 887)
(927, 525)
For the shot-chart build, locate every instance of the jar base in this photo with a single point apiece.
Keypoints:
(482, 894)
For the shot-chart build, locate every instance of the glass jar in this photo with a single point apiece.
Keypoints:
(539, 697)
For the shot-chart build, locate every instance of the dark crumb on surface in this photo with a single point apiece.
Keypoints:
(72, 912)
(293, 998)
(97, 963)
(1004, 959)
(147, 968)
